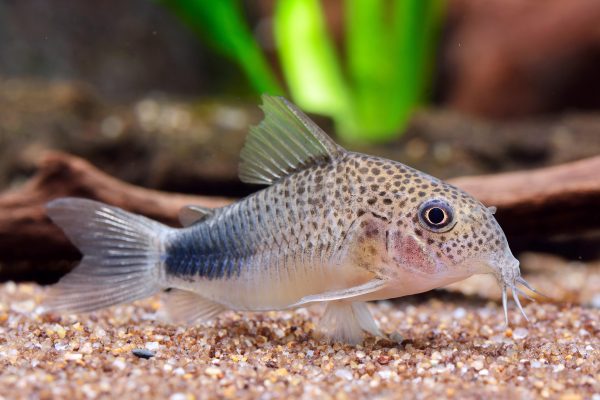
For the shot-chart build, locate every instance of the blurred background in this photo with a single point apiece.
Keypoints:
(161, 93)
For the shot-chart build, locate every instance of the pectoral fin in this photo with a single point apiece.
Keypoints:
(368, 287)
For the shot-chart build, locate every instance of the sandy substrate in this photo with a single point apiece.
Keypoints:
(451, 346)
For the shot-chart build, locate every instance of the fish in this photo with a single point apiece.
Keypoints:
(330, 226)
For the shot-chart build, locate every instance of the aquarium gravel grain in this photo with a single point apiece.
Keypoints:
(446, 347)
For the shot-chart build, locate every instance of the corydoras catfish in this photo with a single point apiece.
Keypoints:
(332, 227)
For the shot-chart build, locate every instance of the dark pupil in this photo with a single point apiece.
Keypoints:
(436, 215)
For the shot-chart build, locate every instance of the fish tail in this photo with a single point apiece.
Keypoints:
(122, 255)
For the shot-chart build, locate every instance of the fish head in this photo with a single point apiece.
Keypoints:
(447, 235)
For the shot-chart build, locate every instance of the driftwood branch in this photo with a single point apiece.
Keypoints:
(556, 200)
(561, 200)
(26, 234)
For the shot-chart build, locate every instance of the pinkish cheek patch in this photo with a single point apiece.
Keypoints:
(408, 252)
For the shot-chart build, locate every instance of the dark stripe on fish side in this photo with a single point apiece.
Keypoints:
(194, 253)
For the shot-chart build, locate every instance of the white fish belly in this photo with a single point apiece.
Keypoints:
(272, 288)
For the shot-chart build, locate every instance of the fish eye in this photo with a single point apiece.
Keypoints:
(436, 215)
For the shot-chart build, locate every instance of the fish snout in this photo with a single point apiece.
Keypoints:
(508, 271)
(509, 277)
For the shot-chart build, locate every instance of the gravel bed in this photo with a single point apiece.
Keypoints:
(441, 345)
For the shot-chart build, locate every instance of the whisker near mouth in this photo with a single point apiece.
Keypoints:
(516, 291)
(528, 286)
(515, 296)
(522, 293)
(505, 304)
(508, 276)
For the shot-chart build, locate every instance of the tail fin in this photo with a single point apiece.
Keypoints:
(121, 256)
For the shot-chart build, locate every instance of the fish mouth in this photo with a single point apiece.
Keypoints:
(510, 278)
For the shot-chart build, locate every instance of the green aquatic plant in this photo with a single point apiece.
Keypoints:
(223, 25)
(389, 50)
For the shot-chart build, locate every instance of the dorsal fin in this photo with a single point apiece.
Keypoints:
(285, 141)
(189, 215)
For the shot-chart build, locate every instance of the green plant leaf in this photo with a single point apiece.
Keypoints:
(390, 46)
(308, 58)
(223, 24)
(371, 69)
(416, 24)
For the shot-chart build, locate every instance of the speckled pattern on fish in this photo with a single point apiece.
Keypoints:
(332, 226)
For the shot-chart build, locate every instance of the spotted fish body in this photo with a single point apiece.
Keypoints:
(332, 226)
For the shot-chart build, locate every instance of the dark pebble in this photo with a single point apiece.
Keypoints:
(143, 353)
